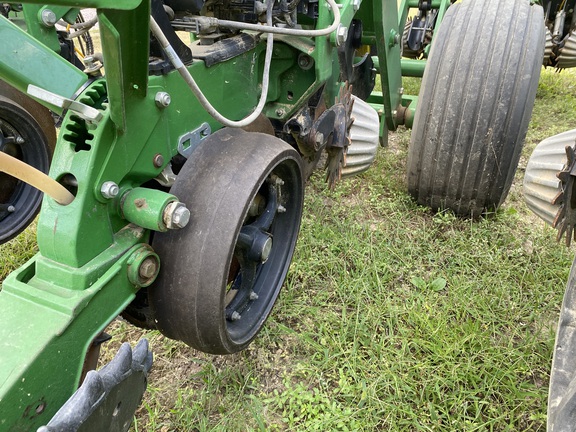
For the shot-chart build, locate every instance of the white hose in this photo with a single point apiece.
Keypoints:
(181, 68)
(285, 31)
(177, 62)
(28, 174)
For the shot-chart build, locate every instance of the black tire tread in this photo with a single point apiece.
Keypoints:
(476, 101)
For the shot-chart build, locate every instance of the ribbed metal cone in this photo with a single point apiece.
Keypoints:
(541, 184)
(548, 48)
(364, 139)
(567, 55)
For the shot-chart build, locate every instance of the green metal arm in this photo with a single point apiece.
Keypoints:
(87, 270)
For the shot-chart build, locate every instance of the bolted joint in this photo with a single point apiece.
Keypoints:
(341, 35)
(162, 100)
(176, 215)
(109, 190)
(92, 65)
(143, 267)
(48, 17)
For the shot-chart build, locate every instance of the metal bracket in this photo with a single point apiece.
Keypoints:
(91, 115)
(190, 140)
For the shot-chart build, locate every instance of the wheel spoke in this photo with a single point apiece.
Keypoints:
(264, 221)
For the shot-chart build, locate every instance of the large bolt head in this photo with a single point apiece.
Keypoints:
(162, 99)
(341, 35)
(176, 215)
(109, 190)
(48, 18)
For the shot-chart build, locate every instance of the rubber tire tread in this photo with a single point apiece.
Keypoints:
(475, 104)
(561, 397)
(216, 184)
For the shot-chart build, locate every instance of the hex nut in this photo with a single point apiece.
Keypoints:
(162, 99)
(176, 215)
(109, 190)
(341, 35)
(48, 18)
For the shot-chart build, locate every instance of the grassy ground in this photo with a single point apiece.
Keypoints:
(392, 317)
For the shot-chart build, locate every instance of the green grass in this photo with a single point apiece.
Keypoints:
(391, 318)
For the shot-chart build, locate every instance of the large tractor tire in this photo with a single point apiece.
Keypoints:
(221, 274)
(562, 397)
(477, 96)
(27, 133)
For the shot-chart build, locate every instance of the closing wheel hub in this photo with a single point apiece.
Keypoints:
(22, 137)
(221, 275)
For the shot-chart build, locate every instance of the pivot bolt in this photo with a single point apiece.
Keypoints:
(235, 316)
(148, 268)
(253, 295)
(281, 208)
(92, 65)
(280, 112)
(143, 267)
(158, 160)
(176, 215)
(305, 61)
(11, 209)
(20, 140)
(109, 190)
(162, 100)
(48, 17)
(341, 35)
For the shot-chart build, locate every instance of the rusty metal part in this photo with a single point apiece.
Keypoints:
(567, 54)
(565, 219)
(93, 354)
(332, 131)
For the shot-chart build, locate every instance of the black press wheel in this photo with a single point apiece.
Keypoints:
(476, 101)
(22, 137)
(561, 397)
(221, 275)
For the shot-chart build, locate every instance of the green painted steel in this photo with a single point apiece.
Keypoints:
(413, 68)
(388, 39)
(46, 327)
(87, 269)
(145, 207)
(103, 4)
(24, 60)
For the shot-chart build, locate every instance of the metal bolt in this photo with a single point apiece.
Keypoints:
(305, 61)
(148, 268)
(319, 139)
(235, 316)
(356, 4)
(394, 38)
(48, 18)
(253, 295)
(158, 160)
(109, 190)
(401, 91)
(266, 249)
(280, 112)
(176, 215)
(20, 140)
(341, 35)
(11, 209)
(281, 208)
(162, 99)
(92, 65)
